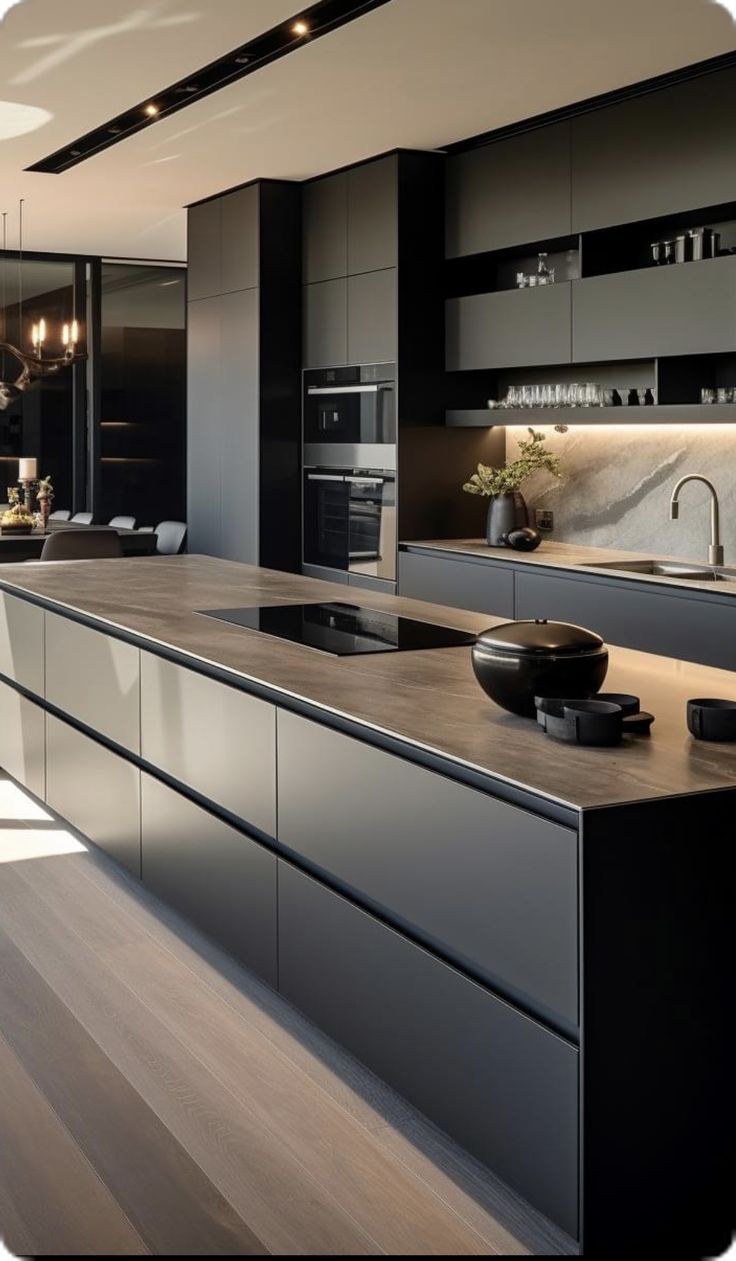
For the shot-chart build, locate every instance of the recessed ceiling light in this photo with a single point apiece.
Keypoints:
(242, 61)
(300, 28)
(151, 110)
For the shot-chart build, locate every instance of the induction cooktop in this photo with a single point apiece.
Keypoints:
(342, 629)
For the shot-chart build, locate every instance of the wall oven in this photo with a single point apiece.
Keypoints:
(350, 521)
(350, 417)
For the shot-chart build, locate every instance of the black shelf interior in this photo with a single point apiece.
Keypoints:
(496, 270)
(628, 247)
(682, 377)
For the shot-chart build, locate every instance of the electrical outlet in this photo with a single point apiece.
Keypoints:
(545, 520)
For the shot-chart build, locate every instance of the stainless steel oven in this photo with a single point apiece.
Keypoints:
(350, 417)
(350, 521)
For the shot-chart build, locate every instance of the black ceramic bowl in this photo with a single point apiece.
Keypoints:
(709, 719)
(517, 661)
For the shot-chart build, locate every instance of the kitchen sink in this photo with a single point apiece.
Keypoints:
(666, 569)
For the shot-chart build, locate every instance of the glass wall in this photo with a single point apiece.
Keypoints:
(143, 393)
(39, 422)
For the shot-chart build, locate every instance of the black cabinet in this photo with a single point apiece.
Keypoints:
(499, 1083)
(372, 328)
(463, 584)
(325, 228)
(203, 453)
(326, 324)
(656, 154)
(512, 328)
(510, 192)
(239, 249)
(687, 309)
(204, 238)
(373, 215)
(213, 874)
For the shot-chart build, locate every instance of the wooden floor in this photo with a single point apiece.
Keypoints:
(156, 1098)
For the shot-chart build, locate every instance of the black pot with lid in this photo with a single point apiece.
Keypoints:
(516, 661)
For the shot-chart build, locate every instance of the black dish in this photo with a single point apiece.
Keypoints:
(601, 721)
(709, 719)
(517, 661)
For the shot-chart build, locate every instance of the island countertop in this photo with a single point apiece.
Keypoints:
(428, 703)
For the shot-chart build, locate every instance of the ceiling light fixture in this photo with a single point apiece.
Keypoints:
(34, 367)
(151, 110)
(300, 28)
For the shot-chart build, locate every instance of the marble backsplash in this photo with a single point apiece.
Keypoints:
(617, 481)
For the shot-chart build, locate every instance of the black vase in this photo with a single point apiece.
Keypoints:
(505, 513)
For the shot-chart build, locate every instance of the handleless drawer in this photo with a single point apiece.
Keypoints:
(22, 740)
(94, 678)
(498, 1082)
(21, 642)
(95, 790)
(488, 886)
(214, 739)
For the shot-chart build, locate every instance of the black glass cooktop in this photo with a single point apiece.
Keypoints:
(345, 630)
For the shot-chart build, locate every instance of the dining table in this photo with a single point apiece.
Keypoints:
(21, 547)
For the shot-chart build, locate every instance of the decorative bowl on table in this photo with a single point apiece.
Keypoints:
(14, 522)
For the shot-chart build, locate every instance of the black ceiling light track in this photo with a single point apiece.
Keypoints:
(303, 28)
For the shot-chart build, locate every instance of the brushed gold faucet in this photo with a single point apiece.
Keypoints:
(715, 551)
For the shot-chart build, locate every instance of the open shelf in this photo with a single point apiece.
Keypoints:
(668, 414)
(496, 270)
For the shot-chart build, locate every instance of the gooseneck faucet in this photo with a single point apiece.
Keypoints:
(715, 551)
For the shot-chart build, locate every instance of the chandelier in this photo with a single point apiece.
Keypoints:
(35, 364)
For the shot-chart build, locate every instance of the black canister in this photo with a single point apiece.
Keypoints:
(517, 661)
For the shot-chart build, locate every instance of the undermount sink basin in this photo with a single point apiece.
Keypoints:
(666, 569)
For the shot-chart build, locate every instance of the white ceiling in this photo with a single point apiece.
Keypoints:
(414, 73)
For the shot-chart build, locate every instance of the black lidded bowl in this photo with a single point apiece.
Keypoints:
(516, 661)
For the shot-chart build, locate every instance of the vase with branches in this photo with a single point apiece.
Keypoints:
(507, 508)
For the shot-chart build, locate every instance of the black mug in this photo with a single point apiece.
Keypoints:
(709, 719)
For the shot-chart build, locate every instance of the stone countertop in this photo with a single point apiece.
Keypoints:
(588, 560)
(427, 701)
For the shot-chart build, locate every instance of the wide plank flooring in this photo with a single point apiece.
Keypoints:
(156, 1098)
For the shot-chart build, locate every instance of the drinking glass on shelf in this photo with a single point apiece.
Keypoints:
(548, 396)
(562, 395)
(591, 394)
(724, 395)
(522, 280)
(512, 398)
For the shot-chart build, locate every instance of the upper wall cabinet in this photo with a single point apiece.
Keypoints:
(325, 228)
(223, 244)
(508, 193)
(373, 212)
(204, 235)
(512, 328)
(654, 155)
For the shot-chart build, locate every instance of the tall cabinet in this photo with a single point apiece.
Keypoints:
(244, 334)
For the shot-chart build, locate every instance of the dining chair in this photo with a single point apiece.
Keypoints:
(100, 541)
(122, 523)
(61, 514)
(171, 536)
(82, 518)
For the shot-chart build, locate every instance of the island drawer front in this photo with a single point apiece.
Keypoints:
(22, 740)
(95, 790)
(499, 1083)
(482, 587)
(215, 875)
(21, 642)
(94, 678)
(214, 739)
(489, 886)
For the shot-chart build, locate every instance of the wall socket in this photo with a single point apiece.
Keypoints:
(545, 520)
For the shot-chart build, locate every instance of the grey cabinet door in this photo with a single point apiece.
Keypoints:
(95, 790)
(204, 235)
(94, 678)
(513, 192)
(213, 874)
(499, 1083)
(325, 228)
(656, 154)
(22, 740)
(237, 399)
(671, 625)
(373, 216)
(204, 359)
(492, 887)
(240, 241)
(217, 740)
(326, 324)
(22, 642)
(482, 587)
(511, 329)
(685, 309)
(372, 317)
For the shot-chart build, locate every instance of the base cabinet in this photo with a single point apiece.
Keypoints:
(213, 874)
(95, 790)
(481, 587)
(499, 1083)
(22, 740)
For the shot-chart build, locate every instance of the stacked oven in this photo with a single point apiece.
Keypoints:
(349, 459)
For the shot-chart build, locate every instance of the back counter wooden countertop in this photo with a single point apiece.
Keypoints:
(427, 701)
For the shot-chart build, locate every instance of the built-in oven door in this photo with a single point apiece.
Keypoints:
(372, 525)
(326, 523)
(350, 417)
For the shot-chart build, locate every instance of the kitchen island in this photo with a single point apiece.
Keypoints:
(529, 941)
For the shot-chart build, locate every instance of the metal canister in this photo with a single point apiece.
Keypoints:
(697, 243)
(682, 249)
